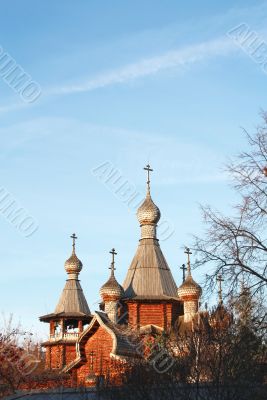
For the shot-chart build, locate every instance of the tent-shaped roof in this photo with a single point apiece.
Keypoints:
(149, 275)
(72, 299)
(72, 302)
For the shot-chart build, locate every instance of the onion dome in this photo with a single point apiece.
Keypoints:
(111, 290)
(189, 289)
(148, 212)
(73, 265)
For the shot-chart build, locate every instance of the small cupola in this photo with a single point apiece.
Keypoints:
(111, 292)
(148, 214)
(73, 265)
(189, 292)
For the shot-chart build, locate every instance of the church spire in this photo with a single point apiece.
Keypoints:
(148, 213)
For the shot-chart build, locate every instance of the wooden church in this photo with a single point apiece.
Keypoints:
(89, 345)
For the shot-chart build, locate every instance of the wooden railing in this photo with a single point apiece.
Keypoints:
(65, 336)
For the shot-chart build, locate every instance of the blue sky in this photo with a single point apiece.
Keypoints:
(123, 82)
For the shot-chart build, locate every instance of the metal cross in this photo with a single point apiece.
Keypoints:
(220, 280)
(112, 267)
(188, 252)
(183, 267)
(73, 237)
(148, 169)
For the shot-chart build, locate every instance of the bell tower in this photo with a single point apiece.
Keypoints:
(68, 320)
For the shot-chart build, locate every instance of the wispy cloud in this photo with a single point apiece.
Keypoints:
(179, 58)
(175, 59)
(150, 66)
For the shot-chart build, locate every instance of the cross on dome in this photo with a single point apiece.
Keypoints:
(220, 280)
(112, 267)
(188, 252)
(148, 214)
(183, 267)
(189, 287)
(73, 237)
(73, 265)
(112, 289)
(148, 169)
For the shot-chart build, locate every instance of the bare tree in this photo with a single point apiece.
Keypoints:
(237, 245)
(18, 358)
(10, 363)
(216, 358)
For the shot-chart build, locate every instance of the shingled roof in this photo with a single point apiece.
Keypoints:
(149, 275)
(72, 302)
(72, 299)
